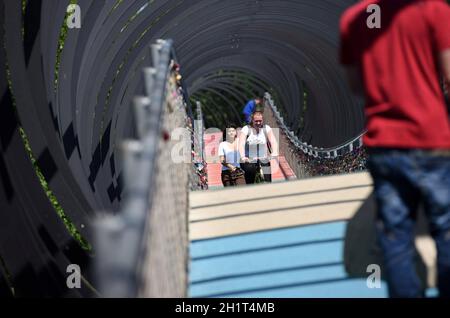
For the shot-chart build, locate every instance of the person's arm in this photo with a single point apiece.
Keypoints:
(241, 145)
(226, 164)
(222, 158)
(248, 109)
(444, 58)
(439, 20)
(273, 142)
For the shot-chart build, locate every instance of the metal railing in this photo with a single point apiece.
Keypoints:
(200, 130)
(199, 179)
(316, 152)
(198, 175)
(143, 250)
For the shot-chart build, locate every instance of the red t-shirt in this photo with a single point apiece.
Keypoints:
(405, 105)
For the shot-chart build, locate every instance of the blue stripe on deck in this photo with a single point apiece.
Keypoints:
(304, 261)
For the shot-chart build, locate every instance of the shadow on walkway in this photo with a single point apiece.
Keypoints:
(361, 248)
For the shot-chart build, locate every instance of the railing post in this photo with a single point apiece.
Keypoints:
(122, 239)
(199, 132)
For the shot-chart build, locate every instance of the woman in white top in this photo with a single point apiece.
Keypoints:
(257, 144)
(229, 157)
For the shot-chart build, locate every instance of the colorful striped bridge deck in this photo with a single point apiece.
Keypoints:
(304, 238)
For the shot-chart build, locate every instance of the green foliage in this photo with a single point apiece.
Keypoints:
(7, 275)
(118, 3)
(61, 41)
(50, 195)
(221, 107)
(24, 8)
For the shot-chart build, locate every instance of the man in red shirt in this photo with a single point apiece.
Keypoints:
(395, 54)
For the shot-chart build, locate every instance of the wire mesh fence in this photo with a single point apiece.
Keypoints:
(199, 171)
(307, 160)
(143, 251)
(164, 267)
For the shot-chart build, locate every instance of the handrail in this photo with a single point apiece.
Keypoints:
(332, 152)
(125, 258)
(199, 178)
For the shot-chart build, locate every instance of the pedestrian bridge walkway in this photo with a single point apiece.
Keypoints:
(281, 171)
(307, 238)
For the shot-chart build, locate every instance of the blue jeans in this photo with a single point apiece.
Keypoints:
(402, 180)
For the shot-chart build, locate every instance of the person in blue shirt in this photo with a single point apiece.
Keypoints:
(250, 108)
